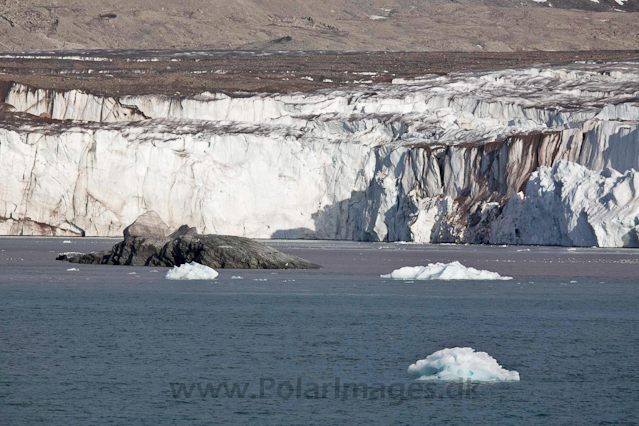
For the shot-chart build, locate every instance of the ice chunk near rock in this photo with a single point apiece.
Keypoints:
(191, 271)
(461, 363)
(443, 271)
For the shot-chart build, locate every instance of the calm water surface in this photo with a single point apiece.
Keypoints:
(103, 344)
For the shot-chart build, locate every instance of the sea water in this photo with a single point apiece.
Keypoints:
(123, 345)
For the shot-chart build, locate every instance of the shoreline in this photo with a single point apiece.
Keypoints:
(363, 261)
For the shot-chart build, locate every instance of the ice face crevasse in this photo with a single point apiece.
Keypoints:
(434, 159)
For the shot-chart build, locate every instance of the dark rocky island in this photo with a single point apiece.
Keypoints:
(148, 242)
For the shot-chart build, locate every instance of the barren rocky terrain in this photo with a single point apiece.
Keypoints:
(184, 73)
(405, 25)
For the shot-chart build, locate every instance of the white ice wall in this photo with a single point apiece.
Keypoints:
(571, 205)
(430, 160)
(99, 181)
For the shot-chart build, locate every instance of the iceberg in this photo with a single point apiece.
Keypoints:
(443, 271)
(453, 364)
(191, 271)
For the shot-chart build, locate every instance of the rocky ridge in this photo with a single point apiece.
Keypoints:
(148, 242)
(434, 25)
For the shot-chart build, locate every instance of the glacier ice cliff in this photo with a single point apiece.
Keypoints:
(572, 206)
(466, 157)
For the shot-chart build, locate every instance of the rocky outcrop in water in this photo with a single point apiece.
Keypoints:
(147, 243)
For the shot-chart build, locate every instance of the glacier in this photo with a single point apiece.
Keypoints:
(453, 364)
(570, 205)
(466, 157)
(444, 272)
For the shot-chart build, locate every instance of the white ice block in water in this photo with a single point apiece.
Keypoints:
(461, 363)
(191, 271)
(443, 271)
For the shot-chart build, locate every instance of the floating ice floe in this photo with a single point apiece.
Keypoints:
(66, 242)
(461, 363)
(191, 271)
(72, 270)
(443, 271)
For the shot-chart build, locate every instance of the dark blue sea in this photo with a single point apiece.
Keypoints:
(122, 345)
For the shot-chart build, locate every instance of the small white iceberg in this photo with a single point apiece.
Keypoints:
(72, 270)
(191, 271)
(443, 271)
(462, 363)
(66, 242)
